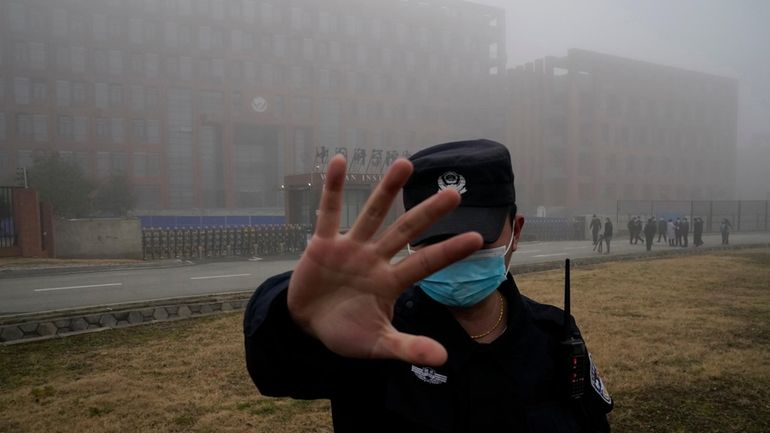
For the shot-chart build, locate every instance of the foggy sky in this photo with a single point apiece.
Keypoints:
(729, 38)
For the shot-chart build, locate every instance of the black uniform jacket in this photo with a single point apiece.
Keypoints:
(510, 385)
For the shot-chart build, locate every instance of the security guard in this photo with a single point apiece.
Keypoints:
(441, 341)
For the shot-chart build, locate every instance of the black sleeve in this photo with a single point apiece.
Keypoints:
(281, 359)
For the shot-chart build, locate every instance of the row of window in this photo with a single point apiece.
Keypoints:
(34, 128)
(106, 163)
(173, 34)
(38, 56)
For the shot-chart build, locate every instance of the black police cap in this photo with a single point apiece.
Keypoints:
(480, 170)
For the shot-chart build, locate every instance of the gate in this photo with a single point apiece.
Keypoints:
(7, 227)
(220, 241)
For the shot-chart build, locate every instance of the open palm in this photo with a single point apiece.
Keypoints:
(344, 287)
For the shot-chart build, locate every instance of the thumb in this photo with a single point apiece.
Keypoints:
(415, 349)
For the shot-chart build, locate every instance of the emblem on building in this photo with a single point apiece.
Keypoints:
(259, 104)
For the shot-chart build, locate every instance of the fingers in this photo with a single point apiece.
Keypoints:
(414, 349)
(380, 201)
(432, 258)
(412, 223)
(328, 221)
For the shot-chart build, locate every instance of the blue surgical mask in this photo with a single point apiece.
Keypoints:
(466, 282)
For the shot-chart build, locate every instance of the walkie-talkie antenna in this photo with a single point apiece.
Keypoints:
(566, 300)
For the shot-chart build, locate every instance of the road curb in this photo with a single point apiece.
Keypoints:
(32, 327)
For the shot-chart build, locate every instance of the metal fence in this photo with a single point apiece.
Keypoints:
(553, 229)
(212, 242)
(7, 227)
(744, 215)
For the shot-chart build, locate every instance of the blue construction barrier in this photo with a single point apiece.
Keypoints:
(182, 221)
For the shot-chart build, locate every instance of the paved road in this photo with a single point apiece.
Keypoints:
(33, 293)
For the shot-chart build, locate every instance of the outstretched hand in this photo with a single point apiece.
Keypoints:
(344, 287)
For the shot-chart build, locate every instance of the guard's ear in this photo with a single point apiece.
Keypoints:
(518, 224)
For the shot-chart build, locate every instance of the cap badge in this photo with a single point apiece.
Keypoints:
(452, 180)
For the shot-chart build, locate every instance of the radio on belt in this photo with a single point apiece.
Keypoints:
(574, 352)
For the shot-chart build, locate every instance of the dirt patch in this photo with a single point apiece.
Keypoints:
(682, 345)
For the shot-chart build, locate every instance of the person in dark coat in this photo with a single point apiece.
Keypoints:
(639, 230)
(631, 230)
(697, 233)
(662, 228)
(649, 232)
(440, 341)
(685, 232)
(607, 234)
(595, 226)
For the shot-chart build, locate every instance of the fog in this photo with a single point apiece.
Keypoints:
(233, 105)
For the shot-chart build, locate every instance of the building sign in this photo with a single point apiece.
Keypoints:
(259, 104)
(358, 179)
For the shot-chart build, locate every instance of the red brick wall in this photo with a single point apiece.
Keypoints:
(27, 221)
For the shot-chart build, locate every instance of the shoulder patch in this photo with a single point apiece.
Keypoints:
(597, 384)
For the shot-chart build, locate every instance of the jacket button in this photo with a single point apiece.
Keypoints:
(410, 304)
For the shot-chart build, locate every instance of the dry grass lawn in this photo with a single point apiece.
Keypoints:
(683, 345)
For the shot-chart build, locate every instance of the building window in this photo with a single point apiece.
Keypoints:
(117, 130)
(102, 164)
(37, 56)
(17, 17)
(153, 132)
(101, 95)
(204, 38)
(171, 34)
(116, 95)
(21, 90)
(100, 27)
(135, 31)
(140, 164)
(139, 130)
(101, 61)
(40, 127)
(79, 96)
(39, 92)
(137, 97)
(115, 62)
(80, 129)
(151, 65)
(66, 128)
(63, 61)
(21, 54)
(78, 58)
(102, 128)
(186, 68)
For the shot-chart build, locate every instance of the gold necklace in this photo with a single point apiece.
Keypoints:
(499, 319)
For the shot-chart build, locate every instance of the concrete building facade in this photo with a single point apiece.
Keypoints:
(588, 129)
(211, 103)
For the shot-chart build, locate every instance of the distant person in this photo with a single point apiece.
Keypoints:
(685, 232)
(596, 225)
(607, 234)
(671, 231)
(724, 228)
(662, 228)
(638, 230)
(678, 231)
(697, 234)
(649, 232)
